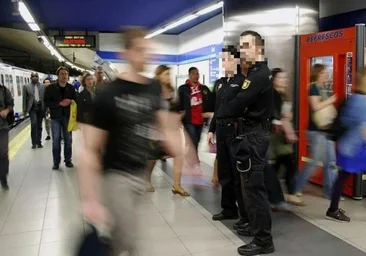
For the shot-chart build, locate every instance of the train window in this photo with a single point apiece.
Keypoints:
(19, 82)
(7, 80)
(2, 80)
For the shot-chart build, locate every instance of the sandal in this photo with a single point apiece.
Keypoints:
(180, 192)
(150, 189)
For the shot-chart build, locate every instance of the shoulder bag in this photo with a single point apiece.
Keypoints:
(323, 118)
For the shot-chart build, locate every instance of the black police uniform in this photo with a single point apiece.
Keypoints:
(223, 125)
(253, 106)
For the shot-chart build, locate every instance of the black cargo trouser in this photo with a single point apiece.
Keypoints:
(229, 179)
(4, 157)
(253, 186)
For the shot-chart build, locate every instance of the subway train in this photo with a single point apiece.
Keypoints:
(14, 79)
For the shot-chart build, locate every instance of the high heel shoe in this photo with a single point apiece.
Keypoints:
(181, 192)
(150, 189)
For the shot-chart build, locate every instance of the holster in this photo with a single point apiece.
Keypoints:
(240, 150)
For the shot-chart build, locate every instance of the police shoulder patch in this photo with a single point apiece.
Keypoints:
(246, 84)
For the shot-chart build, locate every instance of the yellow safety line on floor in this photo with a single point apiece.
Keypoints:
(17, 142)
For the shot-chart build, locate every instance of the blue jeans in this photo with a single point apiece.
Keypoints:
(321, 150)
(58, 127)
(194, 132)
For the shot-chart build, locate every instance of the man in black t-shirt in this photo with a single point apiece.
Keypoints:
(124, 118)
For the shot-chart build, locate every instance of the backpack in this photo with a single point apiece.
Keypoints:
(11, 117)
(337, 130)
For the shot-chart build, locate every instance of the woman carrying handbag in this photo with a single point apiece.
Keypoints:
(322, 149)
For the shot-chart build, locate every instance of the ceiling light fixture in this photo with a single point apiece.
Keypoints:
(27, 16)
(186, 19)
(211, 8)
(34, 26)
(24, 12)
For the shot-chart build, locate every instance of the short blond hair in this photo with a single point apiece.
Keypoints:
(129, 34)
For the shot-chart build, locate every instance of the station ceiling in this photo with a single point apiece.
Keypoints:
(19, 46)
(106, 15)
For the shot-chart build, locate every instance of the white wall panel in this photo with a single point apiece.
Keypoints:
(149, 70)
(207, 33)
(203, 68)
(333, 7)
(162, 44)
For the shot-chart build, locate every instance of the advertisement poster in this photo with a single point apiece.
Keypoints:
(214, 70)
(348, 74)
(328, 62)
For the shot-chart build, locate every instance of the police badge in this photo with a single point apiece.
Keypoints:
(246, 84)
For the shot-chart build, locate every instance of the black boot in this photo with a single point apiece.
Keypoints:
(240, 223)
(254, 249)
(221, 216)
(244, 230)
(4, 184)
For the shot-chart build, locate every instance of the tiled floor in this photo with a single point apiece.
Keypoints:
(39, 216)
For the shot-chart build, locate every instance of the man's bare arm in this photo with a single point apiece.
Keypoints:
(91, 163)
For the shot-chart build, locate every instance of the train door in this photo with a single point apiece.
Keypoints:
(338, 51)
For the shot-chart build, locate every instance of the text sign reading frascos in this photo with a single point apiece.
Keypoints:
(325, 36)
(75, 41)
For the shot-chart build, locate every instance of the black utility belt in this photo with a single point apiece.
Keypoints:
(37, 103)
(245, 125)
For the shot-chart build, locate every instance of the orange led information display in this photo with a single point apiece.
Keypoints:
(75, 41)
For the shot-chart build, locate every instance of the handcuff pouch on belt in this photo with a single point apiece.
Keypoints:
(240, 150)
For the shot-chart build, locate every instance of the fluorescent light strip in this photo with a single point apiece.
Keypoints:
(186, 19)
(181, 21)
(27, 16)
(211, 8)
(34, 26)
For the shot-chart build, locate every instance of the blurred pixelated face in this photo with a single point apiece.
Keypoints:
(99, 75)
(47, 83)
(164, 77)
(281, 81)
(323, 77)
(63, 76)
(138, 54)
(250, 49)
(194, 76)
(89, 82)
(229, 63)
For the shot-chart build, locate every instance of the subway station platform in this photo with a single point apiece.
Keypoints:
(39, 214)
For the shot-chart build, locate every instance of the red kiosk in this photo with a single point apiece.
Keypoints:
(342, 51)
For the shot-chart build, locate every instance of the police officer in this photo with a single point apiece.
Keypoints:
(223, 124)
(253, 106)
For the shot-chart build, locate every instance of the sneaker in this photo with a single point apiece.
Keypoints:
(281, 207)
(299, 194)
(48, 137)
(338, 216)
(294, 200)
(4, 184)
(69, 164)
